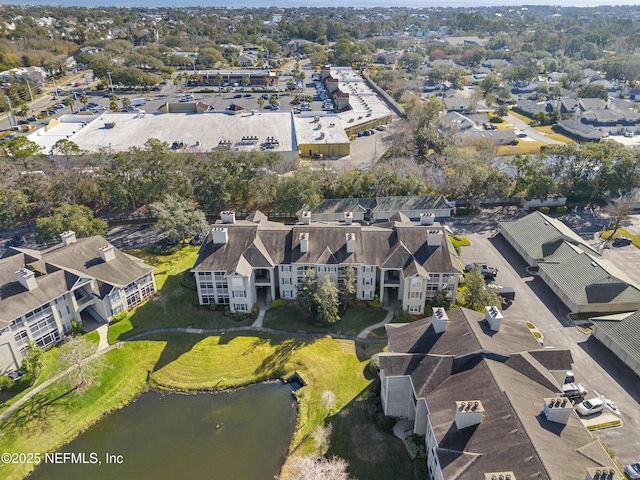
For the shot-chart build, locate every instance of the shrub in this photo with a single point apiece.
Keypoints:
(374, 304)
(118, 317)
(415, 446)
(374, 364)
(495, 120)
(187, 280)
(401, 316)
(254, 312)
(77, 328)
(213, 307)
(385, 423)
(5, 383)
(238, 316)
(562, 209)
(544, 210)
(278, 303)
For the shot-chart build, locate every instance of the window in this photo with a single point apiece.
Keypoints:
(133, 299)
(208, 299)
(416, 282)
(367, 269)
(16, 324)
(285, 268)
(415, 308)
(59, 299)
(21, 338)
(205, 275)
(415, 295)
(237, 283)
(239, 294)
(218, 276)
(367, 294)
(115, 296)
(147, 290)
(240, 307)
(43, 326)
(117, 309)
(48, 339)
(367, 281)
(223, 299)
(287, 281)
(287, 293)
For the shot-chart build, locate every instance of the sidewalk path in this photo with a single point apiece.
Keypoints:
(364, 333)
(259, 319)
(194, 331)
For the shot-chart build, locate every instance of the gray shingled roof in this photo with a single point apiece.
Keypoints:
(380, 204)
(624, 329)
(394, 245)
(507, 372)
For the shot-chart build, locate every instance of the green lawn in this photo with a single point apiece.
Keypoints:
(356, 319)
(621, 232)
(188, 362)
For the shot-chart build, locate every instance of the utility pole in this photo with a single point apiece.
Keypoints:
(55, 87)
(110, 83)
(29, 87)
(11, 110)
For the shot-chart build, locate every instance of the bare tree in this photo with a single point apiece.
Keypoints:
(321, 436)
(312, 468)
(618, 212)
(82, 372)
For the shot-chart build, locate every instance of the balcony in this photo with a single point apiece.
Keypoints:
(262, 276)
(82, 297)
(392, 277)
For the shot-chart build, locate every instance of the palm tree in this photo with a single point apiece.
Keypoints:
(71, 102)
(126, 102)
(24, 111)
(273, 100)
(260, 101)
(83, 99)
(219, 79)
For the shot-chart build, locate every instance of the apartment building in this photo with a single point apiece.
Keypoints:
(484, 394)
(42, 292)
(399, 261)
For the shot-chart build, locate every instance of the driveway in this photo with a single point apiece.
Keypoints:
(595, 366)
(532, 133)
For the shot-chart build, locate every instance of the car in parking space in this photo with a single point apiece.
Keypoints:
(32, 118)
(16, 241)
(381, 128)
(574, 392)
(247, 95)
(633, 471)
(23, 122)
(590, 407)
(265, 96)
(521, 135)
(52, 111)
(237, 95)
(622, 241)
(77, 84)
(487, 272)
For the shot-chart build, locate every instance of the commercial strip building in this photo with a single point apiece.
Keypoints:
(42, 292)
(582, 279)
(620, 333)
(482, 392)
(256, 260)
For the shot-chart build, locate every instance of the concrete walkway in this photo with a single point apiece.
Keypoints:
(364, 333)
(259, 319)
(103, 330)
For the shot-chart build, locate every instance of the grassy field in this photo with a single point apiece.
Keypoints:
(523, 147)
(356, 319)
(193, 362)
(174, 305)
(622, 232)
(519, 116)
(548, 131)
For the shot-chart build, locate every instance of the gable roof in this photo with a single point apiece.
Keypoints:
(624, 329)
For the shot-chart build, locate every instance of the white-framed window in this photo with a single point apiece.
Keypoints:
(285, 268)
(367, 269)
(367, 294)
(416, 282)
(287, 281)
(237, 283)
(239, 294)
(287, 293)
(21, 337)
(240, 307)
(205, 276)
(367, 281)
(117, 309)
(415, 295)
(207, 299)
(415, 308)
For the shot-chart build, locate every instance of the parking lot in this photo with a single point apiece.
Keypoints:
(595, 367)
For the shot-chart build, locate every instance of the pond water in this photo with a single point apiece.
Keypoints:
(238, 435)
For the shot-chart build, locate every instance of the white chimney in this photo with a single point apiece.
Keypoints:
(220, 236)
(494, 317)
(306, 217)
(68, 237)
(348, 218)
(499, 476)
(351, 242)
(427, 218)
(434, 238)
(107, 253)
(439, 319)
(228, 217)
(468, 414)
(27, 279)
(595, 473)
(304, 242)
(557, 410)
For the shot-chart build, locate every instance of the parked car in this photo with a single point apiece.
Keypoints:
(23, 122)
(622, 241)
(17, 240)
(574, 392)
(317, 156)
(590, 407)
(521, 135)
(248, 95)
(633, 471)
(32, 118)
(487, 272)
(381, 128)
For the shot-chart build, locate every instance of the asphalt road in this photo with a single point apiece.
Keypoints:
(594, 366)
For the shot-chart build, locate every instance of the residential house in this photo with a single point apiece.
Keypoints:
(483, 393)
(577, 274)
(464, 128)
(245, 262)
(457, 104)
(42, 292)
(524, 88)
(247, 59)
(531, 107)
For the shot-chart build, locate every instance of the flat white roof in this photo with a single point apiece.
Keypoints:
(319, 129)
(200, 132)
(365, 103)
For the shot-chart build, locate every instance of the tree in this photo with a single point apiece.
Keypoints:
(21, 149)
(82, 373)
(78, 218)
(179, 219)
(327, 301)
(126, 102)
(113, 106)
(68, 148)
(71, 102)
(305, 299)
(312, 468)
(83, 99)
(219, 80)
(593, 90)
(14, 204)
(32, 363)
(476, 295)
(260, 101)
(348, 290)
